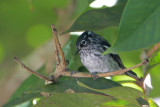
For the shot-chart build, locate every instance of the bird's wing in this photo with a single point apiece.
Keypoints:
(117, 59)
(115, 56)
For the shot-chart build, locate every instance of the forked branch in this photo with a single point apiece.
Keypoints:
(61, 64)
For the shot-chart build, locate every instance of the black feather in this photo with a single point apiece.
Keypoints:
(119, 61)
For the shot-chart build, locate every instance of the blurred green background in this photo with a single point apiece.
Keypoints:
(25, 32)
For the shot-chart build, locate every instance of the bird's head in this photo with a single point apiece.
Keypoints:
(88, 39)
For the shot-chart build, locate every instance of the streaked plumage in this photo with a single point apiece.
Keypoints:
(91, 46)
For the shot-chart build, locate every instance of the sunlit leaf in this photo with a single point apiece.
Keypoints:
(152, 103)
(155, 59)
(117, 103)
(120, 92)
(155, 81)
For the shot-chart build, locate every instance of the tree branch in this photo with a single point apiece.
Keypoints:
(117, 72)
(33, 72)
(58, 46)
(61, 63)
(151, 51)
(149, 54)
(79, 74)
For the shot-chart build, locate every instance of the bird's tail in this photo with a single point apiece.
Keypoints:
(131, 74)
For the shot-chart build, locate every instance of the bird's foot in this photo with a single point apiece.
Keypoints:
(66, 69)
(73, 72)
(94, 75)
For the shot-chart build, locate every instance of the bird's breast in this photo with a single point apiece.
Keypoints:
(94, 61)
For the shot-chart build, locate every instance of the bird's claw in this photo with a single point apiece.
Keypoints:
(66, 69)
(146, 61)
(94, 75)
(73, 72)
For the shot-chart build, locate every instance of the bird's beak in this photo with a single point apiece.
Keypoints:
(77, 51)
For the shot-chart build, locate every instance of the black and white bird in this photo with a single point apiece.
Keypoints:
(91, 46)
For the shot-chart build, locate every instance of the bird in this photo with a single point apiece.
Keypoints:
(91, 46)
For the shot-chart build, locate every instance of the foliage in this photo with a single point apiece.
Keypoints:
(142, 29)
(129, 26)
(98, 18)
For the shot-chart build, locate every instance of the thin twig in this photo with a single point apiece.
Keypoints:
(60, 68)
(117, 72)
(151, 51)
(61, 65)
(33, 72)
(79, 74)
(58, 46)
(54, 32)
(147, 67)
(149, 54)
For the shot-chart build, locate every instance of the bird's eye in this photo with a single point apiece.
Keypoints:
(83, 42)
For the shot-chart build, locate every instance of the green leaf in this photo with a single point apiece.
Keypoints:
(23, 98)
(139, 26)
(110, 34)
(65, 83)
(117, 103)
(152, 103)
(81, 5)
(70, 53)
(155, 72)
(120, 92)
(155, 59)
(74, 100)
(96, 19)
(30, 83)
(34, 84)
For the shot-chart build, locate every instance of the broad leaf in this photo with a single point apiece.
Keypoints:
(96, 19)
(74, 100)
(65, 83)
(152, 103)
(117, 103)
(70, 54)
(155, 81)
(81, 5)
(125, 93)
(155, 60)
(33, 84)
(139, 26)
(110, 34)
(30, 83)
(23, 98)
